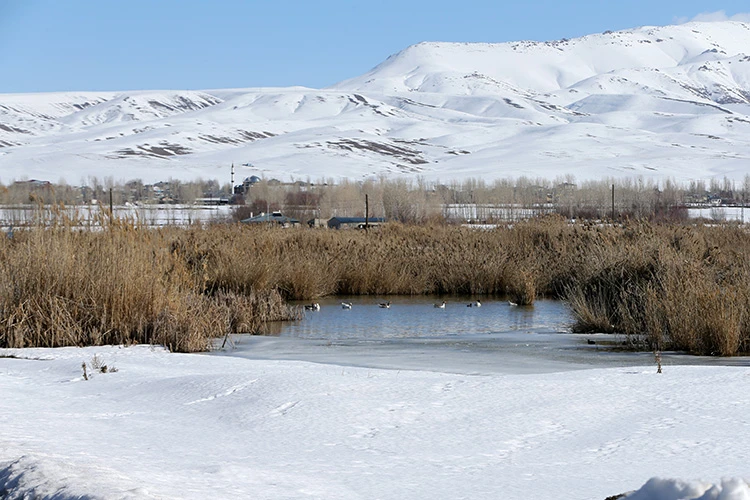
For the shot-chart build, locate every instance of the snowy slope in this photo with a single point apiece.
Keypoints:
(657, 101)
(171, 426)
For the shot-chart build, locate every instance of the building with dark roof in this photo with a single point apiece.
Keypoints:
(353, 222)
(272, 218)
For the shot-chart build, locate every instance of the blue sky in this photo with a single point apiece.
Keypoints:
(51, 45)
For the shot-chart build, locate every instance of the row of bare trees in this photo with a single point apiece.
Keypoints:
(506, 199)
(410, 200)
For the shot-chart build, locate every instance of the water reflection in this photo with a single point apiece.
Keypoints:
(412, 334)
(416, 317)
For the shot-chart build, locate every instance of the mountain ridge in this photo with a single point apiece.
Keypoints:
(668, 102)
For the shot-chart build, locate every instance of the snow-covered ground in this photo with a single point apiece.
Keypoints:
(151, 215)
(739, 214)
(222, 426)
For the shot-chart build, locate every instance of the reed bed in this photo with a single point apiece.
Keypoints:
(304, 264)
(679, 287)
(64, 287)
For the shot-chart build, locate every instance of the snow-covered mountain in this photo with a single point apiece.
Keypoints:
(661, 102)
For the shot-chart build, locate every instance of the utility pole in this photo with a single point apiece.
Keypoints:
(111, 210)
(613, 203)
(232, 186)
(367, 213)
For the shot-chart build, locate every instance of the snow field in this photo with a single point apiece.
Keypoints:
(215, 426)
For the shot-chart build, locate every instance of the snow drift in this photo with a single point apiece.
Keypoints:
(675, 489)
(221, 426)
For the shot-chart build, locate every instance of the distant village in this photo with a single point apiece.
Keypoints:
(358, 203)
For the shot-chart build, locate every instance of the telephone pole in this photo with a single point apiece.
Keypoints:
(367, 213)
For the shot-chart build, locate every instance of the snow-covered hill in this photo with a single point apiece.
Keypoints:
(658, 101)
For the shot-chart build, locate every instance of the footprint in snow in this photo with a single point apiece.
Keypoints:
(285, 408)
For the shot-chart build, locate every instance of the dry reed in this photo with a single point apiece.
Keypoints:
(662, 286)
(670, 287)
(64, 287)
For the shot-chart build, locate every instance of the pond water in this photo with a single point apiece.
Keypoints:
(418, 318)
(413, 334)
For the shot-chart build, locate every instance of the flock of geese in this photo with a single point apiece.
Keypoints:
(387, 305)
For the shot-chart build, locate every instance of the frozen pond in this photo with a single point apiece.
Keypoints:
(413, 334)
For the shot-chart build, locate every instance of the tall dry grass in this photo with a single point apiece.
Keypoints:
(670, 287)
(64, 287)
(396, 259)
(663, 286)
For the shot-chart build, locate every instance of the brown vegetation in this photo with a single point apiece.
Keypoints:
(667, 287)
(662, 286)
(63, 287)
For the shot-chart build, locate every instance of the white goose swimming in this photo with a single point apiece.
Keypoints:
(346, 305)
